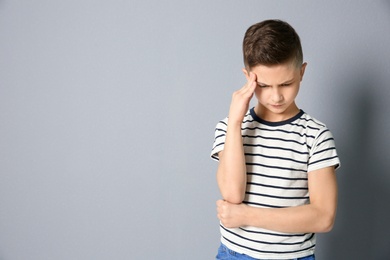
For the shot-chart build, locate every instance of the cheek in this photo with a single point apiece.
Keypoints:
(294, 92)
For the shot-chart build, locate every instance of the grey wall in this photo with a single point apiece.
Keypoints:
(107, 114)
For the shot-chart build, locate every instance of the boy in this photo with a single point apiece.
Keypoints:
(276, 171)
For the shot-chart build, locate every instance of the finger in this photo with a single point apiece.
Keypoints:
(219, 206)
(251, 83)
(249, 89)
(252, 76)
(254, 79)
(248, 76)
(253, 86)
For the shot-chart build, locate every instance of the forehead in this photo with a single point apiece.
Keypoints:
(276, 74)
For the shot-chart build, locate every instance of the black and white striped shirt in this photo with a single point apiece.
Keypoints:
(278, 156)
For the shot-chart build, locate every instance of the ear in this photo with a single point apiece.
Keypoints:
(303, 69)
(246, 73)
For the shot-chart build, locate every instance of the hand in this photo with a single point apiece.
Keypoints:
(241, 98)
(231, 215)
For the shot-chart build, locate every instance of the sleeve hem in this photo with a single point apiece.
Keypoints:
(335, 163)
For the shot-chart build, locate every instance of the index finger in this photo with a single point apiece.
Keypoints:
(251, 84)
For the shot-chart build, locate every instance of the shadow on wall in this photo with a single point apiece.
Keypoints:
(363, 220)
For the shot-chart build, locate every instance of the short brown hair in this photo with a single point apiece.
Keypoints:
(271, 42)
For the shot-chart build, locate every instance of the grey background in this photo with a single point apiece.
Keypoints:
(107, 116)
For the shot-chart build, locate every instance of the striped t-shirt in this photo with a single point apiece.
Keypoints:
(278, 157)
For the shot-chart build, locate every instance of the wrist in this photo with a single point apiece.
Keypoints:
(235, 118)
(250, 216)
(234, 123)
(246, 215)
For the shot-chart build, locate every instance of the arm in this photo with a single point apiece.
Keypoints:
(318, 216)
(231, 173)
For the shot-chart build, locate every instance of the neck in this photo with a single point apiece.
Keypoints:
(271, 116)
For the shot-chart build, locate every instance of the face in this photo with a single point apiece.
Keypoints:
(277, 88)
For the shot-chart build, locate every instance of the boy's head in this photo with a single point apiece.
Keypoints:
(271, 42)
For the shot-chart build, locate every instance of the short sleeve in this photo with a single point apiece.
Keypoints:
(323, 152)
(219, 139)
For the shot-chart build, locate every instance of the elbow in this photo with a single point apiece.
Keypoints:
(231, 191)
(326, 227)
(326, 224)
(233, 197)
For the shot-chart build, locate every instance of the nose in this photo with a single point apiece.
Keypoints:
(277, 96)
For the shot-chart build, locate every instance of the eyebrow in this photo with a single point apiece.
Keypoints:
(285, 82)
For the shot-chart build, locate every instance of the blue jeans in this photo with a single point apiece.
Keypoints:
(225, 253)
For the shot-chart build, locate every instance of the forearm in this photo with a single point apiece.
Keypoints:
(301, 219)
(318, 216)
(231, 174)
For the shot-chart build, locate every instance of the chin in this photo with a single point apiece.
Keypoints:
(277, 110)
